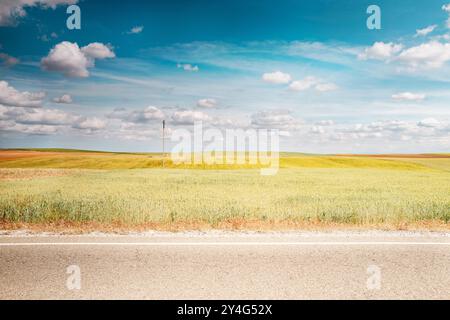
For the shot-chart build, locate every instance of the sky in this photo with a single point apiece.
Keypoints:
(311, 69)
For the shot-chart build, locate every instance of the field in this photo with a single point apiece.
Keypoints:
(53, 189)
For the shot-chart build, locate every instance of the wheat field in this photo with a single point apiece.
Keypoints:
(308, 190)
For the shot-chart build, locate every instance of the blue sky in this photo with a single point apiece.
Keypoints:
(309, 68)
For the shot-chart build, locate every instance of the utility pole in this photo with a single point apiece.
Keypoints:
(163, 141)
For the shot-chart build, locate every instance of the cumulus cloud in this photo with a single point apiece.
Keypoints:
(380, 51)
(206, 103)
(188, 67)
(188, 117)
(43, 117)
(446, 8)
(305, 84)
(279, 119)
(67, 58)
(323, 87)
(317, 130)
(10, 10)
(8, 60)
(388, 131)
(432, 54)
(312, 83)
(277, 77)
(89, 124)
(136, 132)
(429, 55)
(45, 121)
(73, 61)
(11, 97)
(65, 98)
(429, 123)
(146, 115)
(135, 30)
(8, 126)
(425, 31)
(97, 50)
(325, 123)
(408, 96)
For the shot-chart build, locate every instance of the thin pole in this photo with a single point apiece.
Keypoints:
(163, 141)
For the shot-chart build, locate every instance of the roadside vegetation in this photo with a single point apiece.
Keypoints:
(76, 189)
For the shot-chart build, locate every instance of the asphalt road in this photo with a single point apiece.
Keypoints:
(375, 265)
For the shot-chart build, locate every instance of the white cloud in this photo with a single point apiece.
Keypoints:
(188, 67)
(10, 10)
(11, 97)
(89, 124)
(97, 50)
(312, 83)
(65, 98)
(380, 51)
(446, 8)
(281, 119)
(135, 30)
(66, 57)
(323, 87)
(27, 129)
(408, 96)
(8, 60)
(206, 103)
(188, 117)
(146, 115)
(428, 55)
(429, 123)
(317, 130)
(425, 31)
(70, 60)
(304, 84)
(276, 77)
(45, 121)
(44, 117)
(325, 123)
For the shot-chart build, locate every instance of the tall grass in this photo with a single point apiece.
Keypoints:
(91, 160)
(358, 195)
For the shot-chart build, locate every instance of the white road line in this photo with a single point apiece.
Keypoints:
(204, 244)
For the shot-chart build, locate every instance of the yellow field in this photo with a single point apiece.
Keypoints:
(57, 188)
(57, 159)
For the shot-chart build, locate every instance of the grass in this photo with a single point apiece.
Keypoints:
(308, 190)
(78, 159)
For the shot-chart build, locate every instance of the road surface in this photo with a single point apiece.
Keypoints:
(224, 265)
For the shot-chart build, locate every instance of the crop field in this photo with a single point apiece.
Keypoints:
(78, 189)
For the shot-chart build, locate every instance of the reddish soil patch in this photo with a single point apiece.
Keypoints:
(232, 225)
(410, 156)
(13, 154)
(17, 154)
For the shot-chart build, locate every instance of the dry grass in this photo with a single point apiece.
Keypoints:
(171, 199)
(58, 190)
(23, 174)
(68, 227)
(57, 159)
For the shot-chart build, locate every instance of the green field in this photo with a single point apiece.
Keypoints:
(84, 188)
